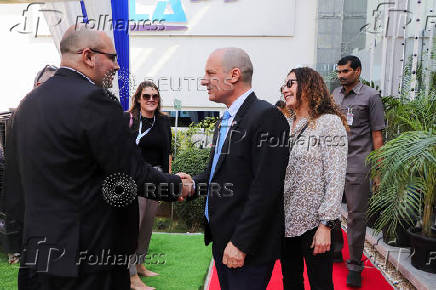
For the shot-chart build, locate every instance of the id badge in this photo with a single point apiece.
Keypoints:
(350, 117)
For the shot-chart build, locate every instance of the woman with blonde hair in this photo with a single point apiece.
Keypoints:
(314, 181)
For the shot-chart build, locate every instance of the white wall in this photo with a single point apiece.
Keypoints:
(221, 17)
(22, 55)
(274, 51)
(177, 57)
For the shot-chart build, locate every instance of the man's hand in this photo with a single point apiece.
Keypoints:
(233, 257)
(188, 185)
(321, 240)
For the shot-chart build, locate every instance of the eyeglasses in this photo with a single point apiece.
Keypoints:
(289, 84)
(149, 97)
(111, 56)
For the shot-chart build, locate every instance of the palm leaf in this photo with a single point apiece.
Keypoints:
(406, 165)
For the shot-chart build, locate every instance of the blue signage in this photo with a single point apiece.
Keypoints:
(159, 14)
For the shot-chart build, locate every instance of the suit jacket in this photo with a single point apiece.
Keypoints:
(68, 136)
(246, 191)
(15, 202)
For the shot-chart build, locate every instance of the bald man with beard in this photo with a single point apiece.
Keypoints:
(69, 135)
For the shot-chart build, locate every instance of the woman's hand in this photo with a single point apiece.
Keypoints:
(321, 240)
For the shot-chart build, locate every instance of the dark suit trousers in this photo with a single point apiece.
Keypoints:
(116, 279)
(247, 277)
(319, 267)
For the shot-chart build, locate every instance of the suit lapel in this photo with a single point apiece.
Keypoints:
(235, 124)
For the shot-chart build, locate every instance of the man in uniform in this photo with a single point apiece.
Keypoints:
(363, 108)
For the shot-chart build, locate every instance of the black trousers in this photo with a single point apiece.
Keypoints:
(337, 238)
(319, 267)
(116, 279)
(253, 277)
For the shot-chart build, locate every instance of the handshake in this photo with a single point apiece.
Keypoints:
(188, 189)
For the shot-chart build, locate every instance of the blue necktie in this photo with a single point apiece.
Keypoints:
(219, 146)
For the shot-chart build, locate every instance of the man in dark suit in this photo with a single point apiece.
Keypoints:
(244, 179)
(13, 243)
(69, 138)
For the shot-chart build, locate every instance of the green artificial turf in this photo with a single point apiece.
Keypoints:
(181, 260)
(186, 261)
(8, 274)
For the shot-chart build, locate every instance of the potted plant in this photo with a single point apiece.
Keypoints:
(407, 169)
(397, 118)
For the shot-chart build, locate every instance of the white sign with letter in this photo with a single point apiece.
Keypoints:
(215, 17)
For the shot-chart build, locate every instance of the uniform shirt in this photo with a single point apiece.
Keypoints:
(315, 176)
(368, 115)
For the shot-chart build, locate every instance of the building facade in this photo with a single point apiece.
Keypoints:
(390, 37)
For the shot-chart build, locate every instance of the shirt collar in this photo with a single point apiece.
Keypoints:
(234, 108)
(356, 88)
(72, 69)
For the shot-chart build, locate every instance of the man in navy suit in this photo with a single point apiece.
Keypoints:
(68, 137)
(244, 179)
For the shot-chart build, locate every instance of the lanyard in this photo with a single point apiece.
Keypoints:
(140, 135)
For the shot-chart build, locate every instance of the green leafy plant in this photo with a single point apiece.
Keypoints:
(193, 161)
(185, 137)
(433, 80)
(433, 73)
(407, 79)
(206, 127)
(407, 167)
(406, 164)
(404, 115)
(370, 84)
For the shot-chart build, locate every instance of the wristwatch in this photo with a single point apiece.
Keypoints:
(328, 223)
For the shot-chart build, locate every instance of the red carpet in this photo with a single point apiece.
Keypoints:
(371, 277)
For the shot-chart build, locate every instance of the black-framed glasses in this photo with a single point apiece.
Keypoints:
(289, 83)
(149, 97)
(111, 56)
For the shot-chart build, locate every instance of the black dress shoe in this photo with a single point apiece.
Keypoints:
(354, 279)
(337, 257)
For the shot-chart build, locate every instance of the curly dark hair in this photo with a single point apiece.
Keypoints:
(312, 86)
(135, 107)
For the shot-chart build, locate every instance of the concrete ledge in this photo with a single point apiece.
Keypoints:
(399, 258)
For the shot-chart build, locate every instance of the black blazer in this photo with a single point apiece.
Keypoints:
(68, 136)
(163, 127)
(247, 205)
